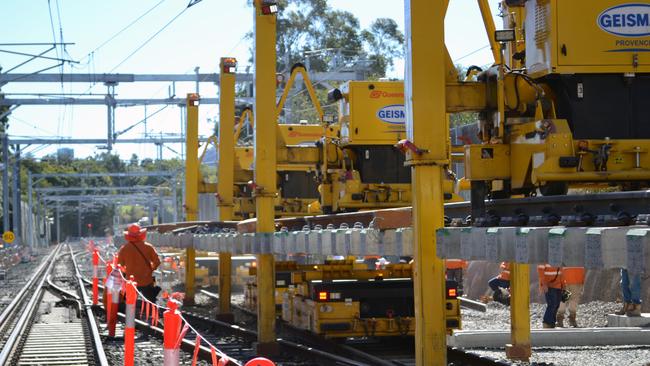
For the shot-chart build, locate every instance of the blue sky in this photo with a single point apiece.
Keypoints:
(198, 37)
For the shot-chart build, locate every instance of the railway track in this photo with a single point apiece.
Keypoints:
(372, 351)
(46, 323)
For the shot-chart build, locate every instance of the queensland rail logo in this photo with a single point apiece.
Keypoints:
(626, 20)
(393, 114)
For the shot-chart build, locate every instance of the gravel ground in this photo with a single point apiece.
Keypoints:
(16, 277)
(592, 314)
(579, 356)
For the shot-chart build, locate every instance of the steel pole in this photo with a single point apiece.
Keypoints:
(15, 190)
(225, 174)
(5, 182)
(265, 172)
(30, 217)
(425, 124)
(58, 222)
(520, 348)
(19, 190)
(191, 187)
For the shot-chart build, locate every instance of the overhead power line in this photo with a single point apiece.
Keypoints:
(148, 40)
(124, 29)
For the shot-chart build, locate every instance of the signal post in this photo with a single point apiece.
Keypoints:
(225, 176)
(264, 190)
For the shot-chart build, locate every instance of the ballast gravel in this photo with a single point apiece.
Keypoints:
(591, 314)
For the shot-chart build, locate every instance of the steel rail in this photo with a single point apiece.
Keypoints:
(90, 316)
(27, 312)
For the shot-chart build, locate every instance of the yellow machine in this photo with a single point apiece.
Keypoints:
(361, 166)
(565, 106)
(340, 299)
(283, 282)
(297, 160)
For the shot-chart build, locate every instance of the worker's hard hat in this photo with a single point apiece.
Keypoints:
(135, 233)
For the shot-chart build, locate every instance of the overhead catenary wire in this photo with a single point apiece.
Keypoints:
(148, 40)
(116, 34)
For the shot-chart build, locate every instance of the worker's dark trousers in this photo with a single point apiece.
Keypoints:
(553, 299)
(496, 282)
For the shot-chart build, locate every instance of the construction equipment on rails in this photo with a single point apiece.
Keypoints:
(564, 100)
(340, 299)
(362, 166)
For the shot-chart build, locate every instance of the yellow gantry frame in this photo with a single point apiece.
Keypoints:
(265, 191)
(247, 113)
(299, 69)
(425, 101)
(225, 174)
(191, 186)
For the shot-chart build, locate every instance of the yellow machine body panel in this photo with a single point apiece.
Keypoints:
(596, 36)
(299, 134)
(372, 113)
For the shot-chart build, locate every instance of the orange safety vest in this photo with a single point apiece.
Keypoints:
(505, 271)
(573, 275)
(455, 263)
(550, 276)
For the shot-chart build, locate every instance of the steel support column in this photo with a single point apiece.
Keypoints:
(15, 212)
(191, 187)
(225, 174)
(519, 349)
(425, 123)
(30, 217)
(5, 183)
(58, 222)
(265, 172)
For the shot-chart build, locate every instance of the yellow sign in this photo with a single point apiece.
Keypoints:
(8, 237)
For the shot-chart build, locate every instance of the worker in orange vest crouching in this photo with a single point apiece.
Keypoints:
(501, 284)
(551, 283)
(455, 268)
(139, 259)
(574, 283)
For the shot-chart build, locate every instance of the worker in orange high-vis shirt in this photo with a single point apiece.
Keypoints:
(455, 268)
(500, 284)
(139, 259)
(574, 282)
(551, 283)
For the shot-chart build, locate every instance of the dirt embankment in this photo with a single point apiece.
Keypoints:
(599, 284)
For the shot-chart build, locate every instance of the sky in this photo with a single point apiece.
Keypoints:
(196, 37)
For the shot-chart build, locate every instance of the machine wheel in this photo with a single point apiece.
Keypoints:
(554, 189)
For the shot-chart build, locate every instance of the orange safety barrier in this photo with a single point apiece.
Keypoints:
(173, 321)
(113, 286)
(175, 326)
(95, 278)
(129, 322)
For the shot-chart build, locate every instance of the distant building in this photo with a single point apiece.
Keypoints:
(65, 153)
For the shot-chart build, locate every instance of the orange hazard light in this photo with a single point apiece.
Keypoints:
(322, 296)
(452, 292)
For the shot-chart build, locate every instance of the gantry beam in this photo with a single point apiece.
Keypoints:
(96, 189)
(64, 141)
(97, 175)
(131, 78)
(99, 101)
